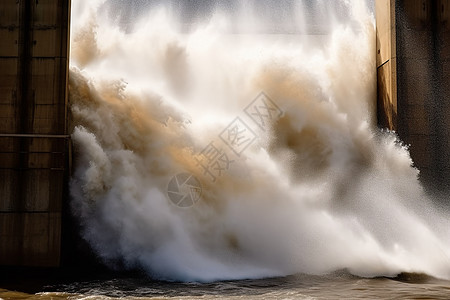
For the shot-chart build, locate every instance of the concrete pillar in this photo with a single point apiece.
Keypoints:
(34, 143)
(413, 71)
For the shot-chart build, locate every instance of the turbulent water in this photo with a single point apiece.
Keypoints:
(339, 285)
(223, 149)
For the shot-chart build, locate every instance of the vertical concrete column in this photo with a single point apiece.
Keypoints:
(413, 80)
(386, 64)
(33, 129)
(443, 93)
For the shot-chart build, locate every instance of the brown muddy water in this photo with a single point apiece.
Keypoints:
(339, 285)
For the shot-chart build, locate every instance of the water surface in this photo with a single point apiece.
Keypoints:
(339, 285)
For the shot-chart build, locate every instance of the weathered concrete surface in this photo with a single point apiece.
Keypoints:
(33, 129)
(413, 82)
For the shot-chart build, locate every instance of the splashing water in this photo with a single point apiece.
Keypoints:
(316, 190)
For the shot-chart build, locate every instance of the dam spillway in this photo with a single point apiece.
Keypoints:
(413, 71)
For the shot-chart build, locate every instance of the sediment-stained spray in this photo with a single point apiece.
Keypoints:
(212, 154)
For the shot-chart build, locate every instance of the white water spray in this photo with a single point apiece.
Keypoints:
(320, 189)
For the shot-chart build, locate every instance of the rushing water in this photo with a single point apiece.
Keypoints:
(339, 285)
(238, 148)
(220, 152)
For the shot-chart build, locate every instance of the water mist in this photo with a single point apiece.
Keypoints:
(315, 188)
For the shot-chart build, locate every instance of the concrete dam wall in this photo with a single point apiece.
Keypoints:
(413, 68)
(34, 145)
